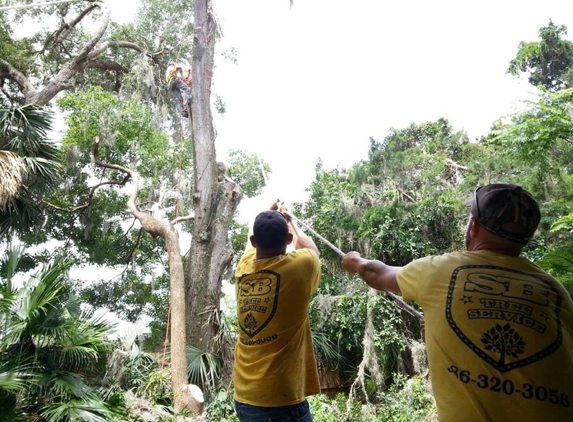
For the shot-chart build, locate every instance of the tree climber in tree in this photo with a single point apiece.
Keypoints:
(175, 80)
(499, 329)
(275, 367)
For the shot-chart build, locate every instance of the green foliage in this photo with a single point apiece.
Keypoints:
(221, 407)
(49, 347)
(125, 130)
(400, 232)
(549, 61)
(204, 368)
(340, 318)
(127, 137)
(247, 171)
(324, 409)
(20, 52)
(558, 260)
(408, 158)
(238, 235)
(541, 134)
(23, 131)
(131, 295)
(407, 400)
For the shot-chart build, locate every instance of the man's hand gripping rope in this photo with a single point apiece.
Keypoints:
(393, 296)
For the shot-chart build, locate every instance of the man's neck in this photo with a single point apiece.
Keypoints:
(509, 251)
(269, 253)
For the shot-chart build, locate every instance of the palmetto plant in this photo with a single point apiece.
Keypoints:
(49, 347)
(28, 165)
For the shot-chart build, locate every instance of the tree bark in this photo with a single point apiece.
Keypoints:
(215, 198)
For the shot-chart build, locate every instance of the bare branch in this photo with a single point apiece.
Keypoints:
(107, 65)
(18, 77)
(124, 44)
(150, 224)
(180, 219)
(69, 70)
(86, 58)
(93, 189)
(457, 166)
(63, 31)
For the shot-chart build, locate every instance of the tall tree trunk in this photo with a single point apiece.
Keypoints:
(155, 227)
(215, 197)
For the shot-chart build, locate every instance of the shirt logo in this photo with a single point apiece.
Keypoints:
(258, 297)
(508, 318)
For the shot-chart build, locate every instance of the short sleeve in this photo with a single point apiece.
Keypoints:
(412, 279)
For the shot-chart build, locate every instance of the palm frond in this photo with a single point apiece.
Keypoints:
(45, 296)
(204, 368)
(328, 355)
(89, 410)
(12, 170)
(21, 214)
(8, 269)
(24, 139)
(23, 129)
(65, 384)
(85, 338)
(15, 376)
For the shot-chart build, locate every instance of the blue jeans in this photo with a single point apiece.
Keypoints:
(295, 413)
(176, 85)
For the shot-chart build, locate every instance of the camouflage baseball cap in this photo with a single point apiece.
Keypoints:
(506, 210)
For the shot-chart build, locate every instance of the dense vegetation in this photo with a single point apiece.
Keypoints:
(62, 215)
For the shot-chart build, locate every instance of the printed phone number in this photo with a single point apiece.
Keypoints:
(527, 391)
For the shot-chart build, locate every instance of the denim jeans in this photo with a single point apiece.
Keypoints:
(176, 85)
(295, 413)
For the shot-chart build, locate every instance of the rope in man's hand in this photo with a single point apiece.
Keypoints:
(396, 298)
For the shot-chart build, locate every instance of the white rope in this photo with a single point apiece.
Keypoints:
(265, 178)
(396, 298)
(29, 6)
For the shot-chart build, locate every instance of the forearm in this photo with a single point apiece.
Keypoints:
(301, 240)
(379, 275)
(375, 273)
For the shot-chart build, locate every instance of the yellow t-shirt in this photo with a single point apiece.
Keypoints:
(274, 358)
(499, 336)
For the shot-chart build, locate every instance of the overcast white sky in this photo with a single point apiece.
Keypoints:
(319, 79)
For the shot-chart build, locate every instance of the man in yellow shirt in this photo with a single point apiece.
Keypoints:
(275, 367)
(498, 329)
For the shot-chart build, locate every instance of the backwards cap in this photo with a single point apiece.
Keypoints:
(270, 229)
(506, 210)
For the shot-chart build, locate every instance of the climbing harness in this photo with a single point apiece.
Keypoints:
(396, 298)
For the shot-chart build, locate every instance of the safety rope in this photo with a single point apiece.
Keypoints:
(178, 203)
(265, 178)
(29, 6)
(396, 298)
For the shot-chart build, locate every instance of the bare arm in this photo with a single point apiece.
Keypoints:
(375, 273)
(299, 238)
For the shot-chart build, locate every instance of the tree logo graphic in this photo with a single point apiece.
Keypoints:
(508, 318)
(250, 323)
(503, 340)
(258, 295)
